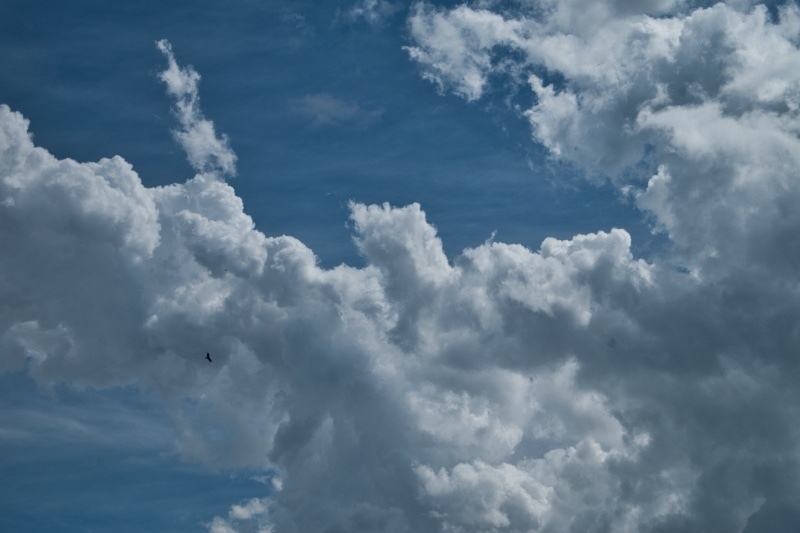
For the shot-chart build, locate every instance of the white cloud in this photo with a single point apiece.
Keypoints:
(708, 94)
(206, 151)
(692, 112)
(454, 47)
(248, 517)
(505, 389)
(373, 12)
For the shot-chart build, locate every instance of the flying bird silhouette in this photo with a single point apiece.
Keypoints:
(208, 356)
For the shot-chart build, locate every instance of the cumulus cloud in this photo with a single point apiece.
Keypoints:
(251, 515)
(702, 100)
(571, 388)
(691, 112)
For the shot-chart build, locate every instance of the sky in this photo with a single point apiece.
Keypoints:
(495, 266)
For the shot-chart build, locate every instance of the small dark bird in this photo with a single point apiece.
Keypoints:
(208, 356)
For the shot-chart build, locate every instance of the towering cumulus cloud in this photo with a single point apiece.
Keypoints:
(693, 114)
(573, 388)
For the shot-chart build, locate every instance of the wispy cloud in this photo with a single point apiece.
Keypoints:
(373, 12)
(322, 109)
(206, 151)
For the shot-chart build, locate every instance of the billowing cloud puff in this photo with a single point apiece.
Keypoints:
(704, 101)
(691, 112)
(572, 388)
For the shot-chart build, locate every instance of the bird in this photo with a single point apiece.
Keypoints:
(208, 356)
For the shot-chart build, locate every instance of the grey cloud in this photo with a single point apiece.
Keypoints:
(349, 374)
(573, 388)
(691, 116)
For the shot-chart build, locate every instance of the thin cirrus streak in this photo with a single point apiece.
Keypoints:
(571, 388)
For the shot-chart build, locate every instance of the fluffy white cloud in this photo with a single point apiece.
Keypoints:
(571, 388)
(708, 95)
(348, 374)
(251, 515)
(692, 113)
(205, 150)
(455, 46)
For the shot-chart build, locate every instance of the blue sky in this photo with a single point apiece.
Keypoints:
(472, 167)
(575, 311)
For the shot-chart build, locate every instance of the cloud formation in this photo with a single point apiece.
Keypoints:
(204, 149)
(572, 388)
(322, 109)
(678, 111)
(373, 12)
(691, 112)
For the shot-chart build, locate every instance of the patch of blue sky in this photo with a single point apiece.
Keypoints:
(86, 460)
(86, 77)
